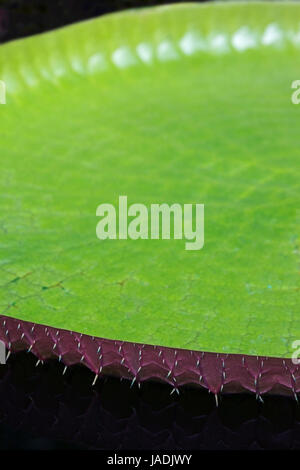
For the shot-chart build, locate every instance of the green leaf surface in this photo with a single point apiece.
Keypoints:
(188, 104)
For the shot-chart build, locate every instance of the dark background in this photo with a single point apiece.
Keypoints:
(42, 409)
(19, 18)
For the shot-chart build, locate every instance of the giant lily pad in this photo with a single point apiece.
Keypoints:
(180, 104)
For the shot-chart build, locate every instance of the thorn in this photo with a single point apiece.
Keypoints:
(37, 363)
(95, 379)
(8, 354)
(259, 398)
(65, 370)
(133, 380)
(30, 348)
(216, 398)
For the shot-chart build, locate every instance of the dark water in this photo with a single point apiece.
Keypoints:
(42, 409)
